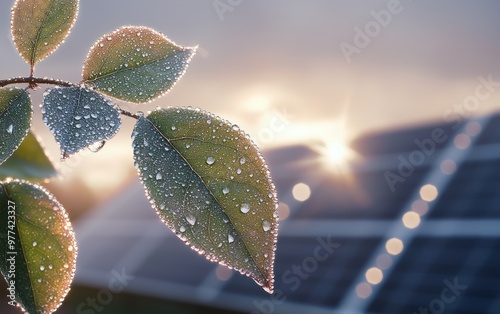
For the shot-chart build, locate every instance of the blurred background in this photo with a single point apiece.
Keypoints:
(378, 120)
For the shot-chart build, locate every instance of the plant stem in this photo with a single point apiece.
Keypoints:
(128, 113)
(34, 81)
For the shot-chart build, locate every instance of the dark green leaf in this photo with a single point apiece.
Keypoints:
(79, 118)
(28, 162)
(40, 26)
(135, 64)
(15, 119)
(210, 185)
(37, 245)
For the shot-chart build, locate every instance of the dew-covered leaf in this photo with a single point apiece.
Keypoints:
(40, 26)
(210, 185)
(79, 118)
(28, 162)
(15, 119)
(38, 247)
(135, 64)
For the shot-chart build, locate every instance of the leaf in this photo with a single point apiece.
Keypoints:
(37, 245)
(210, 185)
(135, 64)
(40, 26)
(28, 162)
(79, 118)
(15, 119)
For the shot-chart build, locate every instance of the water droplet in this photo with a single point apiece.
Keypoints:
(182, 229)
(78, 125)
(210, 160)
(39, 280)
(35, 243)
(50, 266)
(209, 121)
(225, 190)
(78, 117)
(266, 225)
(173, 128)
(230, 238)
(191, 219)
(245, 208)
(236, 128)
(159, 176)
(238, 171)
(66, 266)
(70, 248)
(243, 160)
(42, 268)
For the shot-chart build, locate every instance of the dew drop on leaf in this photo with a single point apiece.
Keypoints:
(191, 219)
(230, 238)
(210, 160)
(225, 190)
(266, 225)
(245, 208)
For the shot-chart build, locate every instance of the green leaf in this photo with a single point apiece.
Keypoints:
(79, 118)
(28, 162)
(210, 185)
(15, 119)
(40, 26)
(135, 64)
(37, 244)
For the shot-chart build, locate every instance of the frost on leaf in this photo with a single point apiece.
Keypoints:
(79, 118)
(188, 161)
(40, 26)
(135, 64)
(28, 162)
(15, 119)
(38, 236)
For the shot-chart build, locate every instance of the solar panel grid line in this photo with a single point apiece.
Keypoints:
(473, 260)
(438, 179)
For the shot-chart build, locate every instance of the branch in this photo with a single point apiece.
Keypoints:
(34, 81)
(128, 113)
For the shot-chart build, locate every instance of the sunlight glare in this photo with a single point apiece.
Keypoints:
(336, 155)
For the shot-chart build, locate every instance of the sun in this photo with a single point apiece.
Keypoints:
(335, 156)
(337, 153)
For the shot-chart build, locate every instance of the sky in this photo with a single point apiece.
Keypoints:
(290, 71)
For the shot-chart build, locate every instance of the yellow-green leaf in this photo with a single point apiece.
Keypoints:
(40, 26)
(28, 162)
(15, 119)
(38, 246)
(135, 64)
(211, 186)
